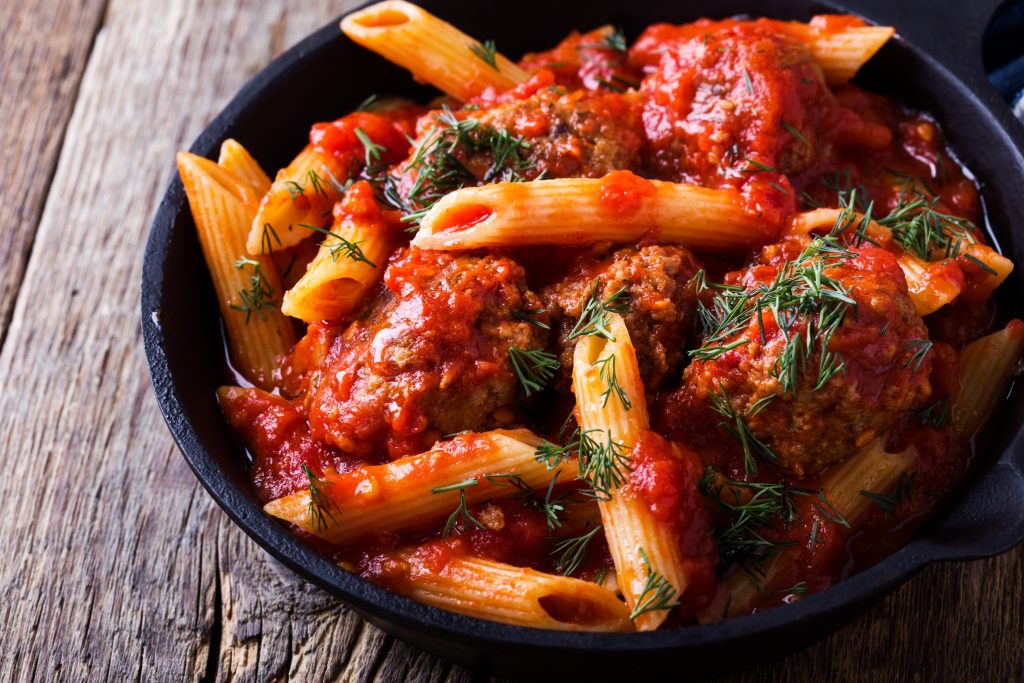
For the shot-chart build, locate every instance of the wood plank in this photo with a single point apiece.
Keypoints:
(117, 564)
(43, 48)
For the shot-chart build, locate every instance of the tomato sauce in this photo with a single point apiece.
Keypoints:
(733, 104)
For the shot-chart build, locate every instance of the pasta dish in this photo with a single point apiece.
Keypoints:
(620, 336)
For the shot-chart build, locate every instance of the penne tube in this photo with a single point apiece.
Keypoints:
(418, 490)
(642, 548)
(350, 262)
(302, 194)
(247, 288)
(841, 54)
(986, 367)
(433, 50)
(620, 207)
(931, 284)
(495, 591)
(236, 159)
(871, 469)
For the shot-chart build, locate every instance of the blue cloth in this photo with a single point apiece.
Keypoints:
(1004, 55)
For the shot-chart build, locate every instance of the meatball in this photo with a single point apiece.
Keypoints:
(739, 104)
(660, 305)
(877, 370)
(431, 358)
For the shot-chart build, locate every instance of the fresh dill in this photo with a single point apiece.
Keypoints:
(260, 295)
(918, 349)
(616, 40)
(373, 151)
(316, 183)
(595, 315)
(461, 512)
(551, 507)
(487, 52)
(657, 593)
(747, 82)
(267, 239)
(319, 507)
(919, 227)
(573, 550)
(342, 247)
(526, 315)
(802, 293)
(736, 424)
(608, 374)
(603, 462)
(935, 414)
(794, 132)
(534, 368)
(829, 511)
(891, 501)
(369, 104)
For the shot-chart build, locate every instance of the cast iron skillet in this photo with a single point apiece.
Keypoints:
(934, 65)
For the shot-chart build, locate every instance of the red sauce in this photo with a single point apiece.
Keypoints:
(462, 217)
(624, 193)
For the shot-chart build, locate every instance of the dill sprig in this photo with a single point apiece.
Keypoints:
(342, 247)
(319, 507)
(487, 52)
(801, 293)
(551, 507)
(918, 349)
(267, 239)
(749, 506)
(372, 149)
(439, 169)
(736, 424)
(260, 295)
(534, 368)
(935, 414)
(829, 511)
(603, 462)
(608, 374)
(573, 550)
(919, 227)
(526, 315)
(461, 512)
(657, 593)
(900, 493)
(594, 317)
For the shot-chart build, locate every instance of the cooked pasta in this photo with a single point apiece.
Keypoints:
(624, 335)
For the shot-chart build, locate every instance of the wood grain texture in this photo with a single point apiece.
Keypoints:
(43, 48)
(116, 564)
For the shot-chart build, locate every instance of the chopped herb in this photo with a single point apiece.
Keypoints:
(891, 501)
(829, 511)
(461, 512)
(342, 247)
(314, 181)
(736, 425)
(920, 228)
(919, 349)
(259, 296)
(657, 593)
(369, 104)
(534, 368)
(609, 376)
(572, 551)
(794, 132)
(594, 317)
(487, 52)
(526, 315)
(747, 81)
(981, 264)
(295, 189)
(551, 507)
(616, 40)
(319, 507)
(754, 166)
(603, 462)
(799, 588)
(267, 240)
(935, 414)
(373, 150)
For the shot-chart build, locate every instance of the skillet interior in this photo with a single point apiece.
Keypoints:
(182, 335)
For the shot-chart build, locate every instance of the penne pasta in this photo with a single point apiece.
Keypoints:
(433, 50)
(417, 490)
(350, 261)
(643, 550)
(872, 469)
(302, 194)
(495, 591)
(986, 367)
(247, 288)
(841, 54)
(620, 207)
(236, 159)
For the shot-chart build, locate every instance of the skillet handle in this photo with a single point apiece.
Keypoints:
(950, 31)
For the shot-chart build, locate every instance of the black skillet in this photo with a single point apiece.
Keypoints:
(934, 64)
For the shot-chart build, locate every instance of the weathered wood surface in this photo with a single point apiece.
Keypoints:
(116, 564)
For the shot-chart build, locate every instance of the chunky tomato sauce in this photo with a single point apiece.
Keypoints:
(766, 369)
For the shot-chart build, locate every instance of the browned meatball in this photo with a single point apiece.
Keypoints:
(432, 358)
(880, 368)
(578, 134)
(659, 303)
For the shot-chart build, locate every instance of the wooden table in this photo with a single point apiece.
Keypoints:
(115, 563)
